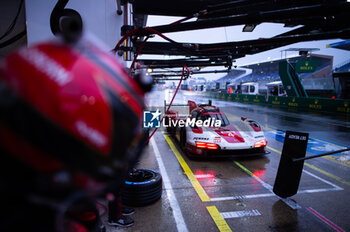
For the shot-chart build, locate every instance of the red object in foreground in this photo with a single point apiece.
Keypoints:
(70, 103)
(70, 125)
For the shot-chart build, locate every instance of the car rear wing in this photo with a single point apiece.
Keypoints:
(192, 106)
(209, 103)
(176, 108)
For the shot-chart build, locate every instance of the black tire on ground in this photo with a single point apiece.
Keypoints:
(142, 187)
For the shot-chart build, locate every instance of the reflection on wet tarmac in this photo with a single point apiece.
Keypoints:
(247, 204)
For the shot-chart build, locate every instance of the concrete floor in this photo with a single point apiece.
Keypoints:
(235, 194)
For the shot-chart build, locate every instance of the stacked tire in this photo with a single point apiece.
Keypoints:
(142, 187)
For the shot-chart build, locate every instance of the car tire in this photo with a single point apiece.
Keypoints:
(169, 129)
(183, 139)
(142, 187)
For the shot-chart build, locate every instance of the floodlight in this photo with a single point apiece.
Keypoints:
(249, 27)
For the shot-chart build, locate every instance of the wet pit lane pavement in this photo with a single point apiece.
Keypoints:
(236, 194)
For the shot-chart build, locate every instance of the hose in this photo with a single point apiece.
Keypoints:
(136, 30)
(171, 102)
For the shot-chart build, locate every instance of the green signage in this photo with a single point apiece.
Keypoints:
(306, 66)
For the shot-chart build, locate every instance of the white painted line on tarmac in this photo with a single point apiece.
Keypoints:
(269, 187)
(288, 201)
(238, 214)
(242, 197)
(252, 196)
(179, 220)
(336, 187)
(319, 190)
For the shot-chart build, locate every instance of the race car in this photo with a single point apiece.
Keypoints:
(206, 132)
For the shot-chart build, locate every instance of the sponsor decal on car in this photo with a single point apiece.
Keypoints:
(199, 138)
(260, 136)
(217, 140)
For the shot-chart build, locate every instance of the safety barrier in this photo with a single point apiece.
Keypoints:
(300, 103)
(312, 103)
(245, 98)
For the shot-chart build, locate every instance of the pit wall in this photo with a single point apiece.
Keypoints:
(339, 106)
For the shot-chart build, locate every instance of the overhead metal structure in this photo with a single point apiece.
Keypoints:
(318, 20)
(344, 45)
(173, 63)
(169, 75)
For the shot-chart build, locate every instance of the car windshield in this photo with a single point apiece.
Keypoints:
(221, 117)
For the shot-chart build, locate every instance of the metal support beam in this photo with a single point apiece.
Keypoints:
(319, 155)
(319, 10)
(240, 48)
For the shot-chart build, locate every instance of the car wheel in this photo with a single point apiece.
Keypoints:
(169, 129)
(183, 139)
(142, 187)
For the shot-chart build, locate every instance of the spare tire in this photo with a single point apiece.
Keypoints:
(142, 187)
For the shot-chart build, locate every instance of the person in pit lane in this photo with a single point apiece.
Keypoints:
(70, 128)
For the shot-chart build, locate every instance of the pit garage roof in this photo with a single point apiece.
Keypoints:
(318, 20)
(344, 45)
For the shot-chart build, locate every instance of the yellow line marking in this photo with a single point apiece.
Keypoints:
(317, 169)
(213, 211)
(328, 174)
(329, 157)
(324, 141)
(196, 185)
(275, 150)
(218, 219)
(333, 159)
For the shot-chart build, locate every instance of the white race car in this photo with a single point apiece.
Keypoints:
(209, 139)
